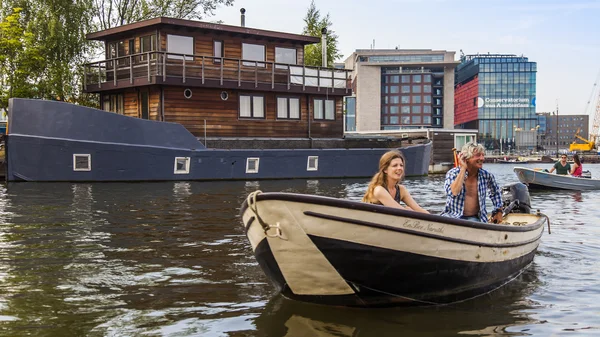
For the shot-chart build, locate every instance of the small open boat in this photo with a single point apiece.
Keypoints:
(340, 252)
(538, 179)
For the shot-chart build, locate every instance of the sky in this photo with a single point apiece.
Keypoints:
(563, 37)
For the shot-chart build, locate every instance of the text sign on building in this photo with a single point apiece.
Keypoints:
(505, 102)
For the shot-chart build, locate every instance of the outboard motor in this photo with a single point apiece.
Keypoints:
(515, 198)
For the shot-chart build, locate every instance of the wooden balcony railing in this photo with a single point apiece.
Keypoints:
(202, 68)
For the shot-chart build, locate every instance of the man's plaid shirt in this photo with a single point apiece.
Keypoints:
(455, 205)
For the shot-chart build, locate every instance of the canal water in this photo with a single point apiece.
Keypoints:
(171, 259)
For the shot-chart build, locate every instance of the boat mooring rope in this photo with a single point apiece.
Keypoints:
(252, 204)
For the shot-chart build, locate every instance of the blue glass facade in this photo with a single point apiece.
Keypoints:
(505, 98)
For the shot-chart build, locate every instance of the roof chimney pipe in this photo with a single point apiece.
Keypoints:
(243, 11)
(324, 46)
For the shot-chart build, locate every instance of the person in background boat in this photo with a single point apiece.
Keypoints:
(561, 167)
(385, 188)
(467, 186)
(577, 168)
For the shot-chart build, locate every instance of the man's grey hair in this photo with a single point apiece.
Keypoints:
(469, 149)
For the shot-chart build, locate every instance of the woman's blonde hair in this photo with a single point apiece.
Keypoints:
(380, 178)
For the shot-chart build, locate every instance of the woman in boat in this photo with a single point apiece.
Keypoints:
(385, 188)
(577, 168)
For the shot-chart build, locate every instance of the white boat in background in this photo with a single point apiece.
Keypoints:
(538, 179)
(340, 252)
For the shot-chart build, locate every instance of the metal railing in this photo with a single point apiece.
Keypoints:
(202, 68)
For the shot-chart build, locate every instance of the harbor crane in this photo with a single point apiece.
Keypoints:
(592, 143)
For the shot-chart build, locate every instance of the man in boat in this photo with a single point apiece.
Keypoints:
(561, 167)
(467, 186)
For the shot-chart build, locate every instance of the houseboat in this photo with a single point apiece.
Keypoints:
(191, 100)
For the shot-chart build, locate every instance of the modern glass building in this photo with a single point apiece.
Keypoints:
(496, 94)
(400, 89)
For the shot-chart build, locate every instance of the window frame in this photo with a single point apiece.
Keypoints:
(281, 66)
(252, 113)
(186, 169)
(89, 162)
(254, 159)
(287, 99)
(177, 57)
(217, 59)
(254, 63)
(152, 46)
(323, 107)
(316, 163)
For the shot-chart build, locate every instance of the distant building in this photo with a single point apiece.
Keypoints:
(568, 125)
(495, 94)
(400, 89)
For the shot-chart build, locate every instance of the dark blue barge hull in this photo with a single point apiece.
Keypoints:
(55, 141)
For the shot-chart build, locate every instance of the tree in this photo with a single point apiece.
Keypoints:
(43, 46)
(314, 25)
(19, 58)
(113, 13)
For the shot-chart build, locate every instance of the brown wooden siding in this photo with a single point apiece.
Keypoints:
(130, 99)
(222, 117)
(154, 104)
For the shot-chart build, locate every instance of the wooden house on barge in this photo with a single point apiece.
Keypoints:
(218, 80)
(167, 86)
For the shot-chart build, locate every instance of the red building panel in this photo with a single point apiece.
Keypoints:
(465, 101)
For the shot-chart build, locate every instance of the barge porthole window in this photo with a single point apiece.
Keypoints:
(224, 95)
(252, 165)
(187, 93)
(312, 163)
(182, 165)
(82, 162)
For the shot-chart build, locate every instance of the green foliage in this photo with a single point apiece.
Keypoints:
(113, 13)
(43, 46)
(314, 25)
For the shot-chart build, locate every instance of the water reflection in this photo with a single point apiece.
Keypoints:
(498, 313)
(172, 258)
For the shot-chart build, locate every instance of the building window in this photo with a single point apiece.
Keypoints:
(416, 119)
(182, 165)
(417, 78)
(406, 89)
(312, 163)
(405, 120)
(82, 162)
(405, 99)
(147, 45)
(426, 119)
(285, 55)
(178, 44)
(253, 52)
(405, 78)
(252, 106)
(113, 103)
(416, 109)
(427, 78)
(416, 99)
(324, 109)
(405, 109)
(217, 51)
(416, 89)
(288, 108)
(252, 165)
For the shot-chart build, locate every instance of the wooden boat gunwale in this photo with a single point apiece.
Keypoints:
(361, 206)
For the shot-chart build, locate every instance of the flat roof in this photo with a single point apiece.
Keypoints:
(199, 25)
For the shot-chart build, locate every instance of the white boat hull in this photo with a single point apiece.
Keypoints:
(341, 252)
(535, 179)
